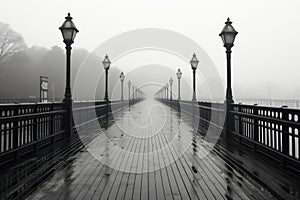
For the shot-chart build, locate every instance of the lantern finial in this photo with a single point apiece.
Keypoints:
(228, 21)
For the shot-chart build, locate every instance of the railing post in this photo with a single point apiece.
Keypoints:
(52, 122)
(285, 136)
(255, 125)
(35, 126)
(240, 128)
(15, 133)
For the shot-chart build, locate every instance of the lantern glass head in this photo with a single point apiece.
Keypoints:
(194, 62)
(179, 74)
(122, 76)
(228, 34)
(106, 62)
(68, 30)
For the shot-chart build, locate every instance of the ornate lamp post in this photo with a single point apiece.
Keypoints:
(69, 31)
(106, 64)
(228, 36)
(179, 74)
(194, 63)
(171, 83)
(136, 93)
(122, 77)
(167, 90)
(133, 92)
(129, 85)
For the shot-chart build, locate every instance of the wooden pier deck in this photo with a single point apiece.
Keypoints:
(149, 152)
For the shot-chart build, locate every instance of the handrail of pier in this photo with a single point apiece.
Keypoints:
(271, 131)
(27, 127)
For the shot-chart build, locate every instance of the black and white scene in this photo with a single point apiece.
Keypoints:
(149, 100)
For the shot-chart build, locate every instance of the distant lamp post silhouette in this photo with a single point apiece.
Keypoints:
(179, 74)
(171, 84)
(228, 36)
(133, 92)
(194, 63)
(167, 90)
(106, 64)
(122, 77)
(69, 31)
(129, 85)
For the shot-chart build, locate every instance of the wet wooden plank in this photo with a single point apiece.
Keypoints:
(112, 172)
(176, 168)
(151, 180)
(132, 176)
(173, 171)
(195, 191)
(74, 185)
(183, 180)
(145, 168)
(160, 190)
(165, 181)
(128, 167)
(138, 176)
(121, 168)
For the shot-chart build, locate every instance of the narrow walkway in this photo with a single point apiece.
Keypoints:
(149, 152)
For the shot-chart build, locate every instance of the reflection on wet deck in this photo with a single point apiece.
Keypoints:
(149, 152)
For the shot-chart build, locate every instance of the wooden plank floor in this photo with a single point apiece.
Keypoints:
(150, 152)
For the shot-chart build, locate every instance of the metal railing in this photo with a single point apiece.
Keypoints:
(26, 128)
(271, 131)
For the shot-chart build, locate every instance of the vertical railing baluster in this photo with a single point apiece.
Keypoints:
(14, 112)
(285, 136)
(2, 126)
(255, 125)
(35, 125)
(52, 131)
(240, 125)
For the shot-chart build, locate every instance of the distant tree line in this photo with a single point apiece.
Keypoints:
(22, 66)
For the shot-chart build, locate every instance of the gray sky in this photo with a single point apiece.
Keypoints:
(266, 52)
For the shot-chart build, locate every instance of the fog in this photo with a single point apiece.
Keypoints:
(265, 58)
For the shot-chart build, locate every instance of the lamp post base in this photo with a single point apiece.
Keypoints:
(68, 116)
(229, 101)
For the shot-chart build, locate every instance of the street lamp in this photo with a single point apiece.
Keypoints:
(167, 90)
(194, 63)
(171, 83)
(228, 36)
(106, 64)
(129, 85)
(179, 74)
(122, 77)
(69, 31)
(133, 92)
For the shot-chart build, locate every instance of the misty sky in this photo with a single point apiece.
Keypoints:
(266, 55)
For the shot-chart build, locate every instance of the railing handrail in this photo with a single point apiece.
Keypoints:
(27, 124)
(273, 130)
